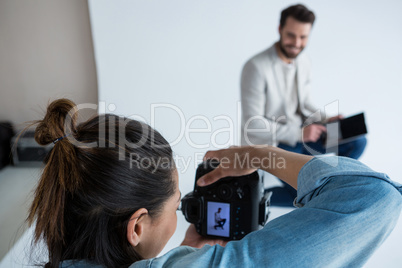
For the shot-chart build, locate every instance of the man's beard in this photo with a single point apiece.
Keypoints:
(287, 55)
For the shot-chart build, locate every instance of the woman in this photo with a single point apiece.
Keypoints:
(109, 192)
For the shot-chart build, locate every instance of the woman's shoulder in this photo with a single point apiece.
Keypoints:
(177, 257)
(79, 264)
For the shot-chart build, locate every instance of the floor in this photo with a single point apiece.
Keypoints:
(16, 187)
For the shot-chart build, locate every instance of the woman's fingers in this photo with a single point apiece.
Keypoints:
(211, 177)
(232, 162)
(212, 155)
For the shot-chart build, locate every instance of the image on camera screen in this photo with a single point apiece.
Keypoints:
(218, 219)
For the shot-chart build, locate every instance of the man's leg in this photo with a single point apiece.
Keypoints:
(283, 196)
(353, 149)
(314, 148)
(221, 223)
(308, 148)
(298, 148)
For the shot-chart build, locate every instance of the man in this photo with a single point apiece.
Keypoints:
(218, 220)
(275, 93)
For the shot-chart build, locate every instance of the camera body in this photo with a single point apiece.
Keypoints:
(228, 209)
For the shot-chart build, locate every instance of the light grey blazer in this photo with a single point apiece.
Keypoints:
(264, 112)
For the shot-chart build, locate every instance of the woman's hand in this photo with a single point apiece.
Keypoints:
(193, 239)
(235, 161)
(239, 161)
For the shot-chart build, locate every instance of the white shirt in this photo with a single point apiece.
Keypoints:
(290, 93)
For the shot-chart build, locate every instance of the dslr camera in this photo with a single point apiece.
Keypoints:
(228, 209)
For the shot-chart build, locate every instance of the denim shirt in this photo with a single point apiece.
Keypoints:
(345, 212)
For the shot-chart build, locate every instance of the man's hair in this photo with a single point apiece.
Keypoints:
(298, 12)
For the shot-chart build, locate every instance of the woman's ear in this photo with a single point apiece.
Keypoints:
(135, 227)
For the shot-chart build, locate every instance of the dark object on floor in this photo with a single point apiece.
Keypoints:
(26, 150)
(6, 134)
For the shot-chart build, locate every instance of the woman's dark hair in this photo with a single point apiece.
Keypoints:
(298, 12)
(91, 184)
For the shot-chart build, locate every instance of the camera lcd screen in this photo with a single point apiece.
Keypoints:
(218, 219)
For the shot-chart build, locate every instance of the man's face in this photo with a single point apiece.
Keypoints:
(293, 37)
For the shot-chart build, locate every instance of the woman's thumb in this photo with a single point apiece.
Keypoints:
(210, 177)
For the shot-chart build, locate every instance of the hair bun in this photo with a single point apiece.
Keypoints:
(53, 125)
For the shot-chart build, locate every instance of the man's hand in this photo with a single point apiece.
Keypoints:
(312, 133)
(335, 118)
(193, 239)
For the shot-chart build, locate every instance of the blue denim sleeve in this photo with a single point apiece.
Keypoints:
(320, 170)
(345, 212)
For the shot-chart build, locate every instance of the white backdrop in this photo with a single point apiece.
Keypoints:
(189, 54)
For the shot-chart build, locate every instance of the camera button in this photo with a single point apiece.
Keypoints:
(240, 192)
